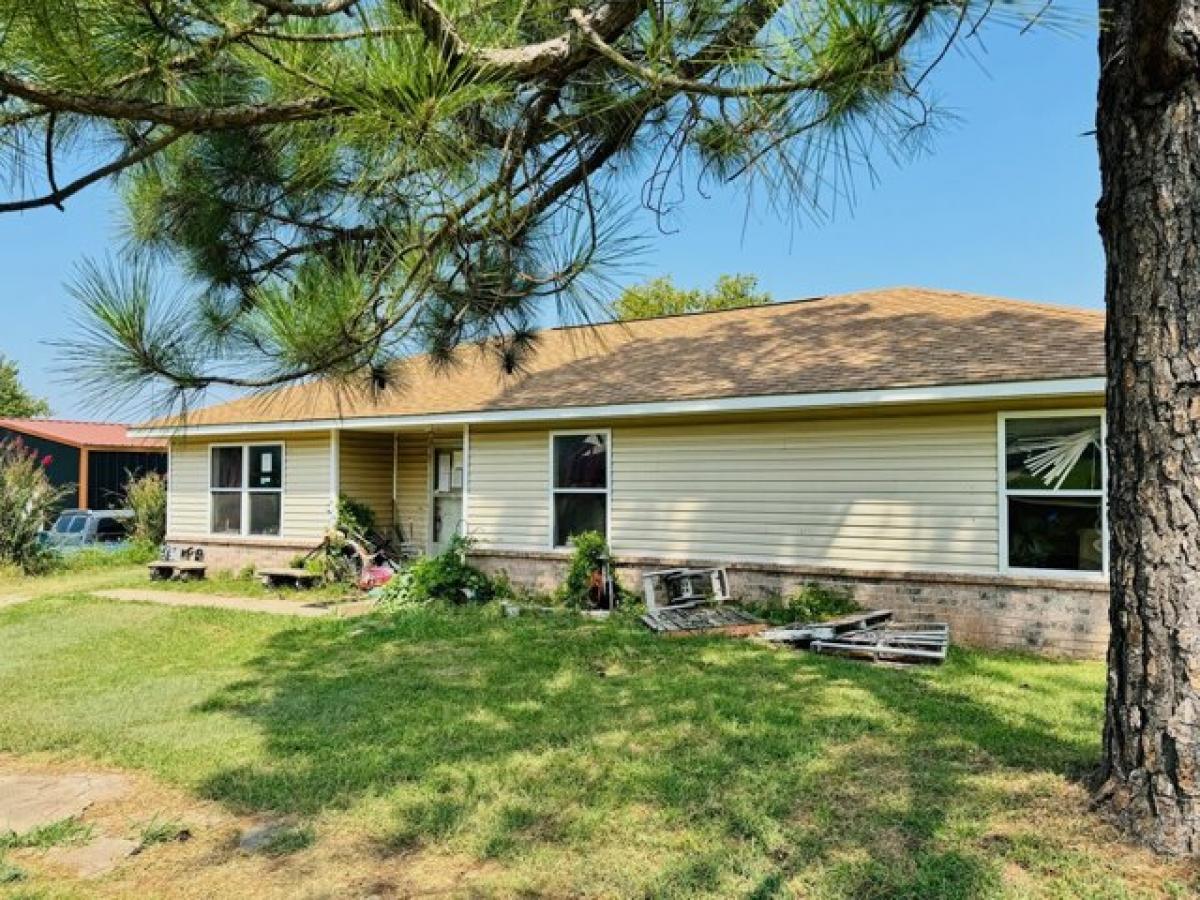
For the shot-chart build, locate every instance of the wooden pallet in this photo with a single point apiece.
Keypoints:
(703, 620)
(802, 634)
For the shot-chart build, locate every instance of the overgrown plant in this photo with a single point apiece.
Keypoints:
(809, 603)
(355, 517)
(447, 577)
(583, 586)
(28, 502)
(146, 495)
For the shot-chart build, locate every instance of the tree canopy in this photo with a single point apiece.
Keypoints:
(662, 297)
(345, 181)
(15, 401)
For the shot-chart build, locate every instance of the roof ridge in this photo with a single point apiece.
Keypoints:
(998, 320)
(815, 298)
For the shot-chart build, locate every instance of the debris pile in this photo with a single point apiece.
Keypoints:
(868, 635)
(682, 602)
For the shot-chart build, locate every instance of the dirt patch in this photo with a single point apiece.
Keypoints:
(217, 601)
(214, 860)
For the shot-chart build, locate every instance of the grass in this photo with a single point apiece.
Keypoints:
(10, 874)
(123, 575)
(63, 833)
(288, 840)
(558, 756)
(161, 831)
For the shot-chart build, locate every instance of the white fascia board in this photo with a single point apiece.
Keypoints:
(1003, 390)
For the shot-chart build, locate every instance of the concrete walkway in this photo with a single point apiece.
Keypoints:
(242, 604)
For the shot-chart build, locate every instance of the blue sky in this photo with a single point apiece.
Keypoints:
(1003, 203)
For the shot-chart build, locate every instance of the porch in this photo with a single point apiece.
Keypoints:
(413, 481)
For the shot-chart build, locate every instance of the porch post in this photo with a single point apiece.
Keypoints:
(466, 488)
(335, 475)
(83, 487)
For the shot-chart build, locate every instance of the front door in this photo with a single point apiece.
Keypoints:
(446, 497)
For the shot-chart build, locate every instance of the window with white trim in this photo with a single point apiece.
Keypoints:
(579, 487)
(1052, 503)
(246, 489)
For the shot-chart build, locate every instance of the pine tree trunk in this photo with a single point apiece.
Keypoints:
(1148, 125)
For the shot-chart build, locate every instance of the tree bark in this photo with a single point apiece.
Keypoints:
(1148, 127)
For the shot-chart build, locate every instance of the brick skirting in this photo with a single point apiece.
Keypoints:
(1055, 617)
(233, 555)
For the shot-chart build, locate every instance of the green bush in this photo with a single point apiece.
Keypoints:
(811, 603)
(28, 503)
(447, 578)
(354, 517)
(591, 549)
(147, 497)
(398, 593)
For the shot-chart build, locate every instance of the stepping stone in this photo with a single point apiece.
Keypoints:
(100, 856)
(31, 801)
(258, 836)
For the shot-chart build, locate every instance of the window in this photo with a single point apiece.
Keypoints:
(111, 531)
(1052, 492)
(579, 486)
(246, 487)
(70, 524)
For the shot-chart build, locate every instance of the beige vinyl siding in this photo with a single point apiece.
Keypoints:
(872, 493)
(187, 490)
(306, 495)
(509, 485)
(412, 488)
(365, 472)
(867, 492)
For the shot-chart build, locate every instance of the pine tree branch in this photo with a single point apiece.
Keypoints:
(191, 118)
(58, 195)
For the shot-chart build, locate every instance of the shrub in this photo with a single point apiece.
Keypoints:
(354, 517)
(447, 577)
(581, 585)
(28, 502)
(811, 603)
(398, 593)
(147, 497)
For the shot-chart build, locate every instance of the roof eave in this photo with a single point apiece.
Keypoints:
(951, 393)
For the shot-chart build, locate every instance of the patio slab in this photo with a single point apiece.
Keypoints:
(218, 601)
(31, 801)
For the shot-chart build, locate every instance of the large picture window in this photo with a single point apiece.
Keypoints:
(246, 489)
(1052, 503)
(579, 487)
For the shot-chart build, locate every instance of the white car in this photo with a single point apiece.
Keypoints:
(100, 528)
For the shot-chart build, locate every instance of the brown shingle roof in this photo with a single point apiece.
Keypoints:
(899, 337)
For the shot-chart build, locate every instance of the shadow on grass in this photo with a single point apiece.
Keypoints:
(727, 760)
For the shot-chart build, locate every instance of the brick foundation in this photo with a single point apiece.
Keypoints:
(235, 555)
(1055, 617)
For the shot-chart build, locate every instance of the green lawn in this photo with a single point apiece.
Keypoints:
(553, 756)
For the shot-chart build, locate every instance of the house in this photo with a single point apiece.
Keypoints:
(937, 453)
(94, 459)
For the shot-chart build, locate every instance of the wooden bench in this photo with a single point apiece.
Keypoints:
(184, 570)
(299, 578)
